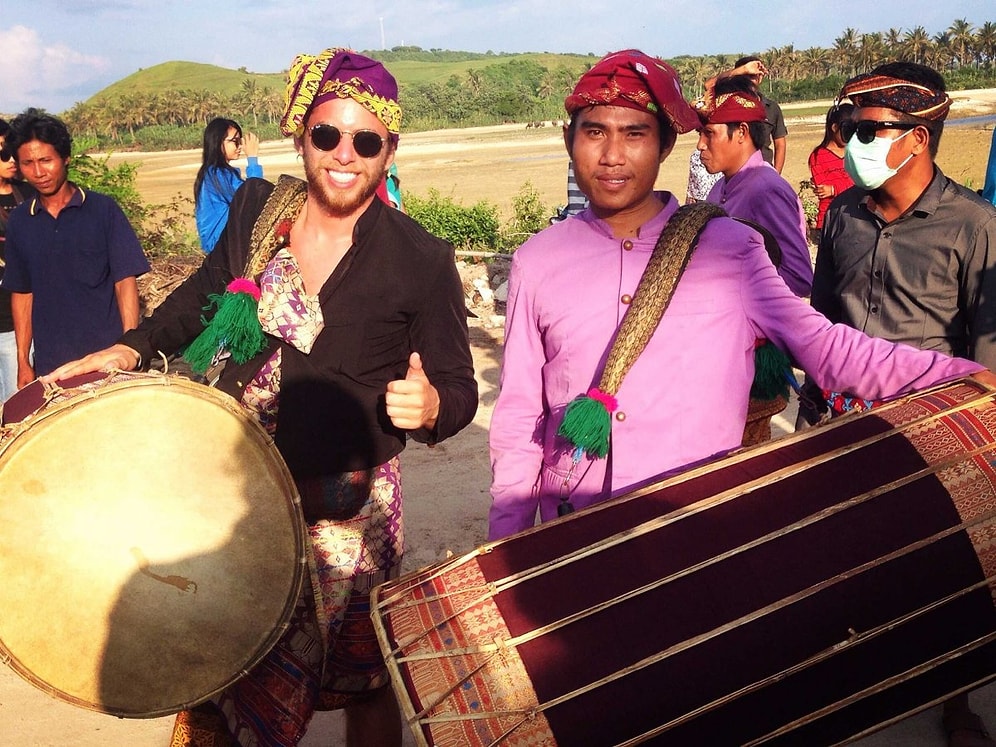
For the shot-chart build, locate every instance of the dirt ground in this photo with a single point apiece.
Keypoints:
(446, 487)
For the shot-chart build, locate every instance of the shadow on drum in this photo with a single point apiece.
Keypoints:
(211, 556)
(217, 566)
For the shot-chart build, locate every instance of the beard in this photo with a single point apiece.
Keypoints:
(340, 203)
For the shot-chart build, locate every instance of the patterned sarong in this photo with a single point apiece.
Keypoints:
(328, 657)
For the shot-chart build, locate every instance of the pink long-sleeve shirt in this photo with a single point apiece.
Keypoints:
(685, 399)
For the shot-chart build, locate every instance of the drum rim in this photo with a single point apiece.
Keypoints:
(282, 478)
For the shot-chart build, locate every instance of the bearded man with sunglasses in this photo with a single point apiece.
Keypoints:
(366, 344)
(907, 254)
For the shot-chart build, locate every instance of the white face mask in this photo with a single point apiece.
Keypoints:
(866, 162)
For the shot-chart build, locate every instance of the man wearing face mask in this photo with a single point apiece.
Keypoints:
(907, 254)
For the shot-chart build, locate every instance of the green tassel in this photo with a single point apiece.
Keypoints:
(234, 328)
(771, 366)
(587, 424)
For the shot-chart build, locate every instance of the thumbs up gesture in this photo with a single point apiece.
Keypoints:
(412, 402)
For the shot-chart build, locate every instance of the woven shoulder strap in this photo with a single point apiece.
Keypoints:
(284, 203)
(656, 288)
(587, 419)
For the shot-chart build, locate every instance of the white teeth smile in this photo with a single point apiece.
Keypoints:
(341, 177)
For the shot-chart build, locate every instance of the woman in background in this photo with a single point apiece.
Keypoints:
(826, 165)
(217, 179)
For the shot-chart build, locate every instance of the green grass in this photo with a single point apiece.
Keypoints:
(188, 76)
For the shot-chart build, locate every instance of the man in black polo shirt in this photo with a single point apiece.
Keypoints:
(72, 257)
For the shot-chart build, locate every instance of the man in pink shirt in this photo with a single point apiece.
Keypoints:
(685, 398)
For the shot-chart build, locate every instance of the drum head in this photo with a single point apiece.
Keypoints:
(151, 546)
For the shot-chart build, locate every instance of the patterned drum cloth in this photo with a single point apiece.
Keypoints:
(804, 592)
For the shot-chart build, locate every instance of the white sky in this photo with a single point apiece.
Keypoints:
(58, 52)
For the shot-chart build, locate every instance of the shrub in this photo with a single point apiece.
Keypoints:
(529, 216)
(474, 228)
(161, 229)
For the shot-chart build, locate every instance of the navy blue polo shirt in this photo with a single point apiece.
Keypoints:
(70, 265)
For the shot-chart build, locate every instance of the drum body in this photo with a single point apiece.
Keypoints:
(151, 543)
(806, 592)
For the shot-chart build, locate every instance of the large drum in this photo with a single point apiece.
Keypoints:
(151, 542)
(806, 592)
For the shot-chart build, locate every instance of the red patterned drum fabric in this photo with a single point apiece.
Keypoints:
(805, 592)
(151, 542)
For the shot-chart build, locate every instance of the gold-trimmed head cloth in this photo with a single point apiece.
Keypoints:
(733, 107)
(634, 80)
(339, 73)
(906, 96)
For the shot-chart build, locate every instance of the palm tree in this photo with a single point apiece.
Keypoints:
(815, 62)
(870, 50)
(916, 44)
(845, 50)
(961, 35)
(250, 97)
(475, 81)
(941, 55)
(893, 41)
(985, 42)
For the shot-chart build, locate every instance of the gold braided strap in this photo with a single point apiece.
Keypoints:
(587, 422)
(235, 329)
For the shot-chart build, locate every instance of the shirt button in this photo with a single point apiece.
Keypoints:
(874, 309)
(627, 299)
(877, 273)
(620, 416)
(628, 245)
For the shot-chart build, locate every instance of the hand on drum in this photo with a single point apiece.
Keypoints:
(412, 402)
(117, 357)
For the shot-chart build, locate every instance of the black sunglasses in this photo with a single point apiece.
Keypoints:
(866, 129)
(236, 141)
(5, 155)
(366, 143)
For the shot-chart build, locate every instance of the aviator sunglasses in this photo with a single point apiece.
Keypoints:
(866, 129)
(366, 143)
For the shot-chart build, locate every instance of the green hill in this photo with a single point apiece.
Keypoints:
(186, 76)
(437, 67)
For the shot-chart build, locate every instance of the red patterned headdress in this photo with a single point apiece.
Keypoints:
(635, 80)
(733, 107)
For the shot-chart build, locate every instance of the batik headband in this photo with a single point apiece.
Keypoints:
(339, 73)
(914, 99)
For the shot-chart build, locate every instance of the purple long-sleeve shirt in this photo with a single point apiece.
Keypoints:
(760, 194)
(685, 398)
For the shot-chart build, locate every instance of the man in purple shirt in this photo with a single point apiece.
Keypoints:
(685, 398)
(730, 144)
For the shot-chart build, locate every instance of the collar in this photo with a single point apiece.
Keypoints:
(77, 200)
(648, 231)
(750, 166)
(924, 206)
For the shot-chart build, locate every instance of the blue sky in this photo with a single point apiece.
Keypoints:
(58, 52)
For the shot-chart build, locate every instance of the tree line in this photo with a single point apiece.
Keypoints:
(521, 90)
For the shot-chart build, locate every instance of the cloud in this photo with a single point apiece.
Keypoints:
(36, 71)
